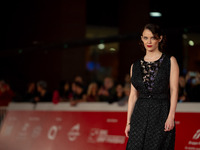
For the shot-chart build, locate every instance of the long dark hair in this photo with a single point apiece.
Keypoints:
(157, 32)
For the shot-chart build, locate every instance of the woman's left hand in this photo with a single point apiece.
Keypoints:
(169, 124)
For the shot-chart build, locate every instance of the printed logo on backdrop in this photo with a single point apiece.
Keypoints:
(196, 135)
(74, 132)
(52, 133)
(23, 133)
(194, 144)
(36, 132)
(101, 136)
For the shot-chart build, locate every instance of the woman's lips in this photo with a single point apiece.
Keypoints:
(149, 45)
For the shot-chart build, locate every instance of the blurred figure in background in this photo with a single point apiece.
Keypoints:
(30, 93)
(79, 94)
(182, 96)
(64, 93)
(78, 79)
(193, 86)
(107, 91)
(6, 94)
(119, 92)
(124, 100)
(73, 89)
(92, 92)
(127, 80)
(43, 94)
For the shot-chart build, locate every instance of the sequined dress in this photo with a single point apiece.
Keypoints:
(151, 80)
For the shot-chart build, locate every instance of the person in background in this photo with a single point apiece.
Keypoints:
(79, 94)
(63, 94)
(92, 92)
(124, 100)
(43, 94)
(182, 91)
(107, 91)
(78, 79)
(73, 89)
(193, 86)
(30, 93)
(127, 80)
(119, 93)
(6, 94)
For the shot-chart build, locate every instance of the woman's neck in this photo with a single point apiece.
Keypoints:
(152, 55)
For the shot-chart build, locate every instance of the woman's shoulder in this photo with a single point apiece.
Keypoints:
(170, 57)
(135, 65)
(136, 61)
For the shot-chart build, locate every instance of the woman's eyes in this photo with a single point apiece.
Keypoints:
(153, 38)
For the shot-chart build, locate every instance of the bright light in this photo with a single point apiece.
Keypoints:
(155, 14)
(191, 43)
(101, 46)
(112, 49)
(184, 36)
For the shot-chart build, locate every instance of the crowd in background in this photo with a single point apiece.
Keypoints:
(189, 87)
(77, 91)
(107, 91)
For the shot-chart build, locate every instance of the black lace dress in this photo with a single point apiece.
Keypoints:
(151, 80)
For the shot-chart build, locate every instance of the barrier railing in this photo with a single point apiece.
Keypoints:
(91, 106)
(91, 126)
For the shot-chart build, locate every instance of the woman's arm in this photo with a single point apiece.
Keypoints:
(174, 79)
(131, 103)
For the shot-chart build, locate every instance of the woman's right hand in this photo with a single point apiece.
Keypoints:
(127, 130)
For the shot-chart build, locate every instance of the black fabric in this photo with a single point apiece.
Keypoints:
(149, 71)
(151, 111)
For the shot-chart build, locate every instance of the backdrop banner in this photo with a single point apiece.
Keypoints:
(61, 130)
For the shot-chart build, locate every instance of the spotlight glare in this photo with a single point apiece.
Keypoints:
(101, 46)
(191, 43)
(112, 49)
(155, 14)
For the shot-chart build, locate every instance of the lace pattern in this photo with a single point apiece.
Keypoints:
(149, 71)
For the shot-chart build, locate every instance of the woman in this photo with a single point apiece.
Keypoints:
(151, 111)
(119, 92)
(92, 92)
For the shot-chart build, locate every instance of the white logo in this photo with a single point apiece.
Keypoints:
(196, 135)
(23, 133)
(36, 132)
(102, 136)
(52, 132)
(194, 142)
(74, 132)
(94, 133)
(25, 127)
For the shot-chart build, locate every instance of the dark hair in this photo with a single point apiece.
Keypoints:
(157, 32)
(42, 84)
(78, 84)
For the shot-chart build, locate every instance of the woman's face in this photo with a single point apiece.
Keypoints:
(94, 87)
(151, 43)
(31, 87)
(119, 88)
(66, 86)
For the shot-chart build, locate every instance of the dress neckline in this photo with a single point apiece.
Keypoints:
(150, 62)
